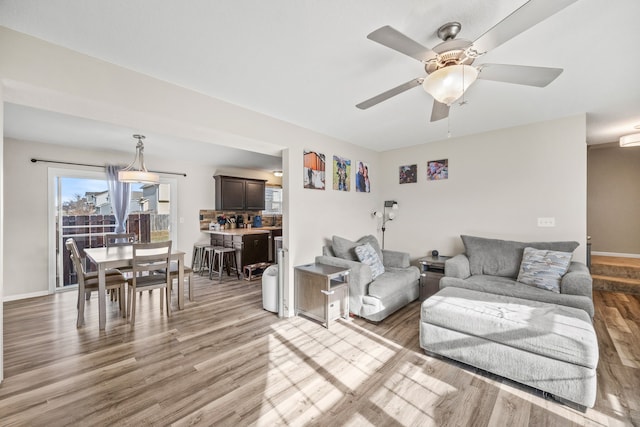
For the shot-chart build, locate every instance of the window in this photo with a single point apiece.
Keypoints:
(272, 201)
(80, 208)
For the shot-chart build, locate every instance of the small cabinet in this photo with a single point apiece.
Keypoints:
(432, 270)
(255, 249)
(250, 248)
(239, 194)
(322, 292)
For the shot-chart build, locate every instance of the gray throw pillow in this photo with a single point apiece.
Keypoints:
(368, 255)
(345, 249)
(543, 268)
(496, 257)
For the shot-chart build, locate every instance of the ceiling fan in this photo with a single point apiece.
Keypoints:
(449, 65)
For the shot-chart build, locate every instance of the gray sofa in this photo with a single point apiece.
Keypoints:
(376, 299)
(483, 317)
(492, 266)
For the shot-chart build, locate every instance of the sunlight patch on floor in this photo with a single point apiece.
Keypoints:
(408, 396)
(325, 370)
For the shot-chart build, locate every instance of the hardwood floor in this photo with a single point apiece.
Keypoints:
(225, 361)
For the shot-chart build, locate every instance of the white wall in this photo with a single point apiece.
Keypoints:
(499, 183)
(26, 196)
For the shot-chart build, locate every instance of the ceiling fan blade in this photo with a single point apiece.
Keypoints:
(390, 93)
(519, 74)
(394, 39)
(523, 18)
(439, 111)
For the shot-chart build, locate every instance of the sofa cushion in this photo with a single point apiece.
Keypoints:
(543, 269)
(395, 281)
(509, 287)
(367, 255)
(345, 248)
(503, 257)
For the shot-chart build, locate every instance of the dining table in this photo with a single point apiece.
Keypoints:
(120, 257)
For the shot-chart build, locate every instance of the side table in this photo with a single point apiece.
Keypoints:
(431, 270)
(322, 292)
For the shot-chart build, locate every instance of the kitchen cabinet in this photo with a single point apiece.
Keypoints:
(251, 247)
(239, 194)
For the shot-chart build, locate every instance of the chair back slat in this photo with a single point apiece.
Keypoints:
(119, 239)
(151, 257)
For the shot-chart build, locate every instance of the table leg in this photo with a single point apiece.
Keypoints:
(102, 310)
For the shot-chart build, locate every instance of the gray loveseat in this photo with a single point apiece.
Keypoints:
(492, 266)
(482, 316)
(374, 299)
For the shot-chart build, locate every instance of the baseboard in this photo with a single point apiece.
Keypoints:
(616, 254)
(25, 296)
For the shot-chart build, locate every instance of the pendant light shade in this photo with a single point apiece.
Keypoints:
(448, 84)
(632, 140)
(137, 171)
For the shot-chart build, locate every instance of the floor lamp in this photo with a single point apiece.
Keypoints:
(393, 206)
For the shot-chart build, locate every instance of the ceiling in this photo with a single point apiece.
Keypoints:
(309, 62)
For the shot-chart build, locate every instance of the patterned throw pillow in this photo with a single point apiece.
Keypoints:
(543, 268)
(368, 255)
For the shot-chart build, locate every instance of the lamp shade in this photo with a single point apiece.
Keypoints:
(632, 140)
(138, 176)
(448, 84)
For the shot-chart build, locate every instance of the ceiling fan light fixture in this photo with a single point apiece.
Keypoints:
(137, 172)
(448, 84)
(632, 140)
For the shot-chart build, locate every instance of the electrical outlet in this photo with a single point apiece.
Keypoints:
(546, 222)
(181, 220)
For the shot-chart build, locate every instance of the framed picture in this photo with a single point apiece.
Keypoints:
(341, 173)
(363, 185)
(408, 174)
(437, 170)
(314, 170)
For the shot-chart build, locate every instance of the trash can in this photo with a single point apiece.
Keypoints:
(270, 289)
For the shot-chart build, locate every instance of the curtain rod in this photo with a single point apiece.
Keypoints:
(97, 166)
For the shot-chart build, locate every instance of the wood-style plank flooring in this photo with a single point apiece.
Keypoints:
(225, 361)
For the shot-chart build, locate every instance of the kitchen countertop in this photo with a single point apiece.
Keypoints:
(241, 231)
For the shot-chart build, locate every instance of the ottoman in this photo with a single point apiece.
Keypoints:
(546, 346)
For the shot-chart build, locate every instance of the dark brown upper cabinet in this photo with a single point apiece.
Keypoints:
(239, 194)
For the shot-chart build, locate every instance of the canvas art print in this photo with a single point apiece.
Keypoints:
(314, 170)
(408, 174)
(341, 173)
(362, 177)
(437, 170)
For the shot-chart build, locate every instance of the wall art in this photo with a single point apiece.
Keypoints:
(408, 174)
(341, 173)
(437, 170)
(314, 170)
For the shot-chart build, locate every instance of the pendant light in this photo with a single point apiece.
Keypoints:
(137, 171)
(632, 140)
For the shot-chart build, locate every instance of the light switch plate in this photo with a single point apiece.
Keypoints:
(546, 222)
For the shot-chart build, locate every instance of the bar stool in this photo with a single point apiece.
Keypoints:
(198, 252)
(206, 262)
(222, 254)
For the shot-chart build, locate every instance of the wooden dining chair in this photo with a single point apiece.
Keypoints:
(88, 282)
(150, 266)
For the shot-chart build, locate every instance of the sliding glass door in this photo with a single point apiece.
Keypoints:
(79, 208)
